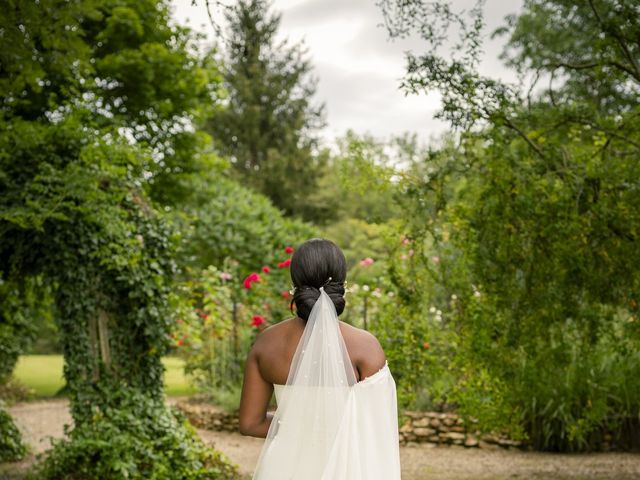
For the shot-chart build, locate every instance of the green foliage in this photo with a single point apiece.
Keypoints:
(11, 446)
(224, 219)
(364, 179)
(14, 391)
(210, 336)
(267, 128)
(229, 231)
(588, 72)
(221, 312)
(362, 171)
(359, 240)
(75, 209)
(47, 337)
(403, 335)
(529, 218)
(109, 256)
(20, 302)
(358, 181)
(101, 103)
(227, 397)
(136, 438)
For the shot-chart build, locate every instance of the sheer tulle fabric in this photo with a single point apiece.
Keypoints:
(327, 425)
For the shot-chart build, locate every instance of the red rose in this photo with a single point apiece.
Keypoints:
(254, 277)
(257, 320)
(180, 343)
(284, 264)
(204, 315)
(285, 294)
(266, 269)
(288, 250)
(426, 345)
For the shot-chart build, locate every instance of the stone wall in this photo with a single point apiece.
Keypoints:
(429, 428)
(420, 427)
(448, 429)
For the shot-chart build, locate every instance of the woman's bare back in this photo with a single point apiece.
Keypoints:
(270, 358)
(277, 344)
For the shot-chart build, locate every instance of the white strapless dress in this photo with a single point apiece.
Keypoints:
(327, 425)
(366, 446)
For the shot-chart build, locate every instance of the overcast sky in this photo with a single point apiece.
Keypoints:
(357, 67)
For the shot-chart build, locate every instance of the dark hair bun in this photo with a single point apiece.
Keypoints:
(318, 263)
(305, 298)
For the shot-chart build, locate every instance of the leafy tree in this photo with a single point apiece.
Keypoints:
(532, 213)
(225, 220)
(267, 129)
(99, 103)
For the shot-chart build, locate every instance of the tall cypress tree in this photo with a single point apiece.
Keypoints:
(267, 129)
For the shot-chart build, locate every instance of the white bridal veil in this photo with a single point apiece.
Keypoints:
(327, 425)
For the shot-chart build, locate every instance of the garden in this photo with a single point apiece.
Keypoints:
(154, 187)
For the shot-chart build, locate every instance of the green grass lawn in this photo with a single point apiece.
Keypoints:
(175, 382)
(43, 373)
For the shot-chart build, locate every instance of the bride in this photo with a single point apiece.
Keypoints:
(336, 416)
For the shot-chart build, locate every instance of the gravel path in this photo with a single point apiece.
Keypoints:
(40, 421)
(459, 463)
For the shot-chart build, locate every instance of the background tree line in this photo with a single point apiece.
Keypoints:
(531, 210)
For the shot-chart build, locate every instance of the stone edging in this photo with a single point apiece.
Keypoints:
(421, 427)
(448, 429)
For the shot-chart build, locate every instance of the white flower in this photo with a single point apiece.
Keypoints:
(365, 288)
(476, 293)
(391, 294)
(453, 296)
(438, 312)
(432, 310)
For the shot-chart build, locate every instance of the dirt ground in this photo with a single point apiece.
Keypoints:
(41, 421)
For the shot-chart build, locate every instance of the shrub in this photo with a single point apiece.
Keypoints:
(221, 311)
(14, 391)
(135, 438)
(11, 446)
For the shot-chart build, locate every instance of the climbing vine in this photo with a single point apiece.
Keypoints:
(90, 122)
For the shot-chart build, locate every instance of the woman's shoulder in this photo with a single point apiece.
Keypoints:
(358, 334)
(364, 348)
(274, 335)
